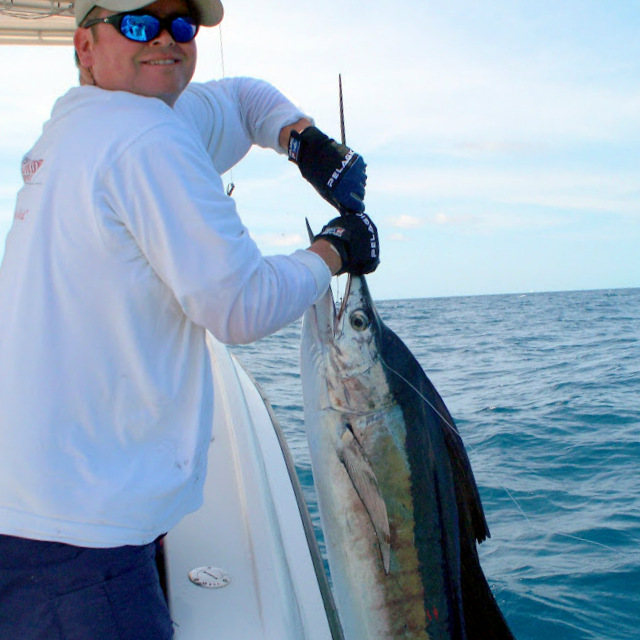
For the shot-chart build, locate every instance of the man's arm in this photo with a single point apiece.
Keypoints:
(285, 132)
(233, 114)
(328, 253)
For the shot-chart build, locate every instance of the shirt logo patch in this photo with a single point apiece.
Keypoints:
(29, 168)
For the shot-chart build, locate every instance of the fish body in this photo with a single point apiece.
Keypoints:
(399, 505)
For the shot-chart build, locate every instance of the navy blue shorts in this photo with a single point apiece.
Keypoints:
(54, 591)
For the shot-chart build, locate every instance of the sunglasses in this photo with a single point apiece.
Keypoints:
(144, 27)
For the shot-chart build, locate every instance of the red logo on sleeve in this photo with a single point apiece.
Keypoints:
(29, 168)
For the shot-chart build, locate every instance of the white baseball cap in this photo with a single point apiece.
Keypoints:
(210, 12)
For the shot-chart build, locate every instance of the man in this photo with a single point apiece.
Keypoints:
(124, 251)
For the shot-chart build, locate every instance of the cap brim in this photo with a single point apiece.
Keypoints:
(210, 12)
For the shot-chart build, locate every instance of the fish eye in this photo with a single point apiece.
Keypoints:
(359, 320)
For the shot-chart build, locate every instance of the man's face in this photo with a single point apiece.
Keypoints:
(161, 68)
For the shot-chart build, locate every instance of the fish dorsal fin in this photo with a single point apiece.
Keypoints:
(352, 455)
(408, 380)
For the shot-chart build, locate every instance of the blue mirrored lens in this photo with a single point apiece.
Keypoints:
(141, 28)
(183, 29)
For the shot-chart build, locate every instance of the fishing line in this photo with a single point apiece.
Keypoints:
(231, 186)
(558, 533)
(515, 502)
(425, 400)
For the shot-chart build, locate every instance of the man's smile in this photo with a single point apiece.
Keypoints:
(165, 61)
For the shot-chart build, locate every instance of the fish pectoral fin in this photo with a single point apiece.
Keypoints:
(364, 480)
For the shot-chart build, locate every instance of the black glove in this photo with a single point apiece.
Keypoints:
(336, 172)
(356, 239)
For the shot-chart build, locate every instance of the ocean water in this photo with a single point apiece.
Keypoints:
(545, 390)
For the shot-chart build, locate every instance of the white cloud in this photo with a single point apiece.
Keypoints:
(598, 189)
(442, 218)
(405, 221)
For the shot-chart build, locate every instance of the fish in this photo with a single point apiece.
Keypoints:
(399, 506)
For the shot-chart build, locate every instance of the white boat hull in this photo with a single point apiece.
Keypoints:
(251, 528)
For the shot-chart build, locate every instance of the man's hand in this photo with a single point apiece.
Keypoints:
(355, 238)
(336, 172)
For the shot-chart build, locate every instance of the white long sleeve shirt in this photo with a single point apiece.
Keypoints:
(124, 250)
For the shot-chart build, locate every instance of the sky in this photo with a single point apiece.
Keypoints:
(502, 138)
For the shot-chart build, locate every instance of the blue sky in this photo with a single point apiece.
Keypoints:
(502, 138)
